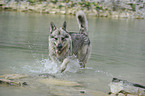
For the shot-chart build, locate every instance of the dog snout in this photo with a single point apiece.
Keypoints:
(59, 46)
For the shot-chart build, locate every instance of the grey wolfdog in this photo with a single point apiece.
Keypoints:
(64, 45)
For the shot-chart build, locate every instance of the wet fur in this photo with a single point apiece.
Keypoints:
(64, 45)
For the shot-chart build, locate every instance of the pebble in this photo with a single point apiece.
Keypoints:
(82, 91)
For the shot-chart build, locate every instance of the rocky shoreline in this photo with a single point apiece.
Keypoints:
(49, 83)
(114, 10)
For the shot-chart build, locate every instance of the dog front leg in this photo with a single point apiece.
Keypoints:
(53, 58)
(64, 64)
(66, 61)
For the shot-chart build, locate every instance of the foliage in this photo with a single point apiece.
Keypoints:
(97, 7)
(72, 4)
(85, 4)
(54, 1)
(66, 1)
(60, 6)
(32, 1)
(133, 6)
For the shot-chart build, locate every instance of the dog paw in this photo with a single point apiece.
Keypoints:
(62, 69)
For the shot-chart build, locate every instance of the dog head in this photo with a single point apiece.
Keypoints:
(59, 38)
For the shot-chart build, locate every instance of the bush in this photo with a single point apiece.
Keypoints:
(54, 1)
(32, 1)
(97, 7)
(133, 6)
(85, 4)
(60, 6)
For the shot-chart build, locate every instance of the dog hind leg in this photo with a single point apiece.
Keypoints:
(83, 55)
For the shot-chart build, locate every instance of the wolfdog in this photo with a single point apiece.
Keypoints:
(64, 45)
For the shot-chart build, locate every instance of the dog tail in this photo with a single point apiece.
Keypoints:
(82, 21)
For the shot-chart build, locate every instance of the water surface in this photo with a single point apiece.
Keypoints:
(118, 50)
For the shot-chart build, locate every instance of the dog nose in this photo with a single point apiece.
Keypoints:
(59, 46)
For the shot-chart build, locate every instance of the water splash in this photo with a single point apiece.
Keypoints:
(49, 66)
(42, 66)
(46, 66)
(73, 66)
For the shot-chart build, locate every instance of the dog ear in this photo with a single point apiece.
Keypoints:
(52, 27)
(64, 25)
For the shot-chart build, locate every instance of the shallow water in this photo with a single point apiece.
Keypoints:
(118, 50)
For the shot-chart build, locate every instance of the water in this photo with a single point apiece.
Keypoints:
(118, 50)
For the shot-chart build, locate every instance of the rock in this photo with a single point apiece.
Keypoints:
(59, 82)
(63, 12)
(102, 9)
(82, 91)
(31, 8)
(46, 75)
(139, 17)
(7, 79)
(123, 15)
(53, 11)
(24, 83)
(13, 76)
(115, 14)
(12, 83)
(103, 14)
(6, 7)
(123, 86)
(1, 4)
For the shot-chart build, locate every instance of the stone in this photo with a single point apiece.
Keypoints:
(118, 86)
(105, 8)
(13, 76)
(123, 15)
(6, 7)
(139, 17)
(115, 14)
(1, 4)
(63, 12)
(12, 83)
(82, 91)
(47, 75)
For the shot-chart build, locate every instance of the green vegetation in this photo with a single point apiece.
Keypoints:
(32, 1)
(97, 7)
(60, 6)
(133, 6)
(85, 4)
(54, 1)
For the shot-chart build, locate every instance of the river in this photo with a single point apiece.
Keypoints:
(118, 50)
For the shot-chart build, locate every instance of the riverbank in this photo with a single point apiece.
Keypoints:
(114, 10)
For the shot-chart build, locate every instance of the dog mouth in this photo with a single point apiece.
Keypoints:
(58, 50)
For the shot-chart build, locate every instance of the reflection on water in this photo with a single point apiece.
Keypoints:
(118, 49)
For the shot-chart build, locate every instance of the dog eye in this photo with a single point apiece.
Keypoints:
(55, 38)
(62, 38)
(52, 36)
(66, 36)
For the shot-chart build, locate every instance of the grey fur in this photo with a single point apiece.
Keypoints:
(64, 46)
(82, 21)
